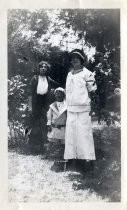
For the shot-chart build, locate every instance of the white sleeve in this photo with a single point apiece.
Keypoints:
(90, 81)
(49, 117)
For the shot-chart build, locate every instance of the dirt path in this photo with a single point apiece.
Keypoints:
(31, 180)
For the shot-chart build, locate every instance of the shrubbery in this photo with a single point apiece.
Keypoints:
(29, 36)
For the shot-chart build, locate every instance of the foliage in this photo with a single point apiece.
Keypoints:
(29, 41)
(99, 29)
(17, 104)
(17, 97)
(24, 30)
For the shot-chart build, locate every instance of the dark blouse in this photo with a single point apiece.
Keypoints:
(41, 101)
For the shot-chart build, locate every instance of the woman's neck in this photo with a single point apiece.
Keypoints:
(77, 70)
(78, 67)
(41, 76)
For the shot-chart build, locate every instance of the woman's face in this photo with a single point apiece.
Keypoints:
(43, 69)
(76, 62)
(59, 95)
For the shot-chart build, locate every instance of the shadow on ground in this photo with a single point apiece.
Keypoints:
(103, 175)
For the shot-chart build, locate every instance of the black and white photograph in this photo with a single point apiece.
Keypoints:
(64, 112)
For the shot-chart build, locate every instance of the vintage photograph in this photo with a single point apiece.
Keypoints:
(64, 114)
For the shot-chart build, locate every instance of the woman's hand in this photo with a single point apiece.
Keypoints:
(49, 128)
(29, 109)
(59, 126)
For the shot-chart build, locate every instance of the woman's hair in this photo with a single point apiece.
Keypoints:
(47, 65)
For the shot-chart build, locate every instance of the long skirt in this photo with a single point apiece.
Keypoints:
(38, 121)
(79, 143)
(38, 135)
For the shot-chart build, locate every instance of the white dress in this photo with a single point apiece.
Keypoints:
(57, 116)
(79, 141)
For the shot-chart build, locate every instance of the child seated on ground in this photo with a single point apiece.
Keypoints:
(56, 122)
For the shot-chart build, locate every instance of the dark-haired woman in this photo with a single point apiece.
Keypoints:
(40, 96)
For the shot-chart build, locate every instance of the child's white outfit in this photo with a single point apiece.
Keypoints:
(57, 110)
(79, 141)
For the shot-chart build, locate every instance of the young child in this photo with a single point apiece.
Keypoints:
(57, 118)
(80, 85)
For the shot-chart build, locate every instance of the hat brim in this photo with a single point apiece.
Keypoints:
(79, 54)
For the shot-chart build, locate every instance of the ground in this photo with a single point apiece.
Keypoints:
(32, 178)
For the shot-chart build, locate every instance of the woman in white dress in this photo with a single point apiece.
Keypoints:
(80, 84)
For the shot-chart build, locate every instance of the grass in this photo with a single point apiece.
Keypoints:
(32, 178)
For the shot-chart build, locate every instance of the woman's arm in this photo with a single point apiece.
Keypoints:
(91, 87)
(91, 83)
(53, 82)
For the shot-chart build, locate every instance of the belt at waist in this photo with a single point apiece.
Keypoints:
(57, 126)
